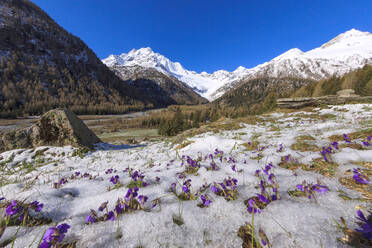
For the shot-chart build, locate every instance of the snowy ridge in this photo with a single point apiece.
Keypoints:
(346, 52)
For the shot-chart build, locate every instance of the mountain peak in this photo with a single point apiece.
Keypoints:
(291, 53)
(351, 34)
(142, 51)
(354, 32)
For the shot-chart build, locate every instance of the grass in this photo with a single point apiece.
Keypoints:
(245, 233)
(130, 136)
(350, 183)
(251, 146)
(184, 144)
(304, 146)
(317, 165)
(361, 134)
(81, 152)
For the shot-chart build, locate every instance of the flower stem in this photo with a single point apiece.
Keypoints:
(252, 229)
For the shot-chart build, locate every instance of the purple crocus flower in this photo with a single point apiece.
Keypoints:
(262, 185)
(110, 216)
(213, 165)
(173, 187)
(233, 167)
(360, 177)
(91, 218)
(2, 198)
(346, 138)
(54, 235)
(142, 199)
(119, 208)
(13, 209)
(215, 189)
(115, 179)
(365, 225)
(300, 187)
(37, 206)
(185, 189)
(63, 181)
(335, 145)
(319, 188)
(366, 143)
(287, 158)
(103, 206)
(271, 178)
(280, 148)
(263, 198)
(252, 206)
(257, 173)
(205, 200)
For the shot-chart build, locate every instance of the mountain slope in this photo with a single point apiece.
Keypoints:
(359, 80)
(258, 95)
(177, 91)
(42, 66)
(348, 51)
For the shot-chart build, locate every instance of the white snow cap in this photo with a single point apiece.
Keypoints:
(348, 51)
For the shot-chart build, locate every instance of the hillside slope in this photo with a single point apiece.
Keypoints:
(141, 77)
(43, 66)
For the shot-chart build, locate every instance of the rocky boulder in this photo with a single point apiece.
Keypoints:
(58, 127)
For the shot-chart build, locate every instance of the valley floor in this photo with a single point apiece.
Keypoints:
(291, 142)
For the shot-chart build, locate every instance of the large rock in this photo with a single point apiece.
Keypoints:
(58, 127)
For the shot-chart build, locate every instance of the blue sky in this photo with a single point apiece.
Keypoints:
(208, 35)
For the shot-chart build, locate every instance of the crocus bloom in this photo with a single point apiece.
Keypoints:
(335, 145)
(319, 188)
(360, 177)
(103, 206)
(13, 209)
(92, 217)
(287, 158)
(115, 179)
(37, 206)
(54, 236)
(365, 225)
(263, 198)
(173, 187)
(346, 138)
(110, 216)
(119, 208)
(142, 199)
(252, 206)
(205, 200)
(280, 148)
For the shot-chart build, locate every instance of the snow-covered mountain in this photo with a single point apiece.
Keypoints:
(346, 52)
(203, 83)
